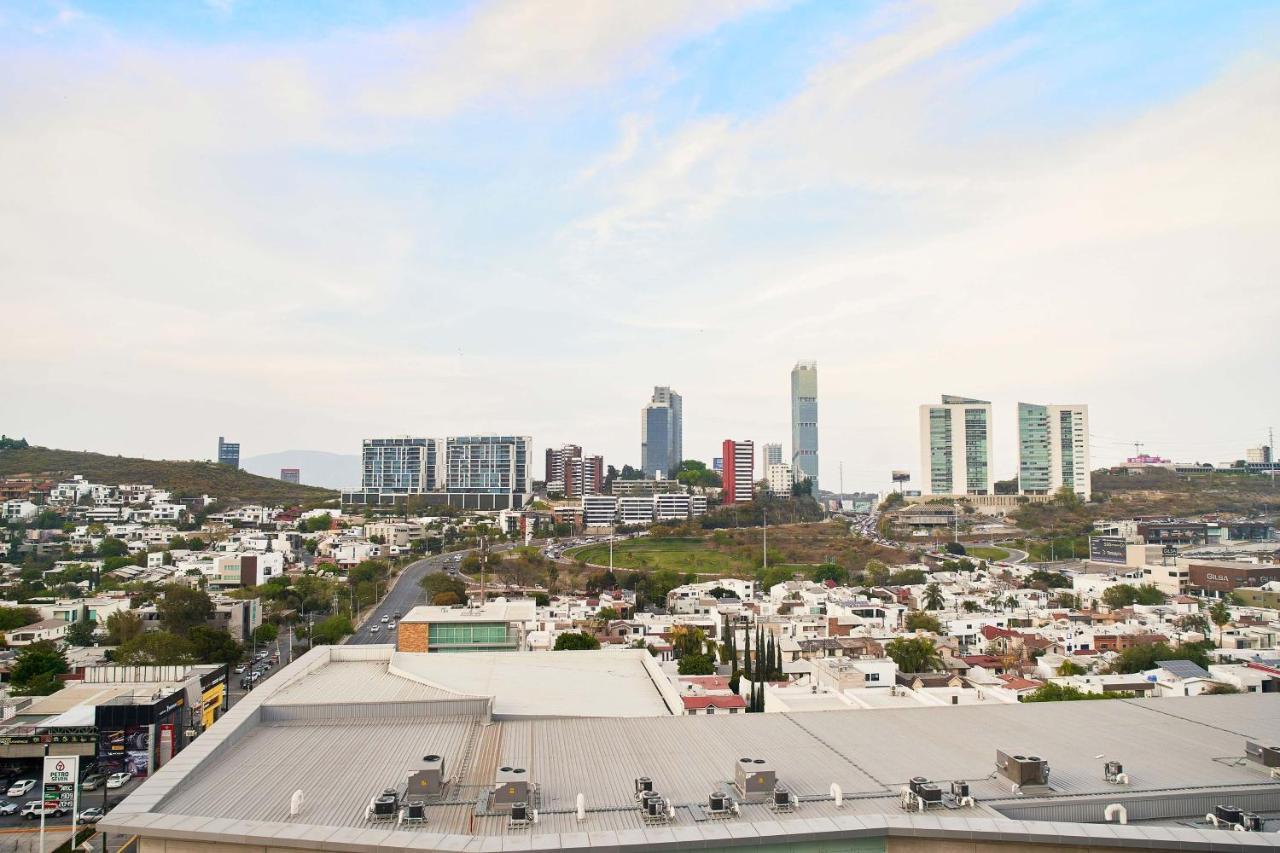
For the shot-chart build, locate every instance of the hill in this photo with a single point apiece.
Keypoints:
(318, 467)
(1157, 492)
(185, 479)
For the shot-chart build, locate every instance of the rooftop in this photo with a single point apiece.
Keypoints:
(380, 710)
(492, 611)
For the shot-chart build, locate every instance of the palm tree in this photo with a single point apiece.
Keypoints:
(1220, 614)
(933, 597)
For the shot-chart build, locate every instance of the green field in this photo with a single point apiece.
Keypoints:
(986, 552)
(685, 555)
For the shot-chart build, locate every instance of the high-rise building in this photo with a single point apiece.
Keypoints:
(955, 447)
(291, 475)
(1258, 455)
(402, 465)
(804, 422)
(779, 476)
(770, 454)
(584, 475)
(558, 458)
(1053, 449)
(739, 471)
(661, 433)
(717, 464)
(488, 465)
(228, 452)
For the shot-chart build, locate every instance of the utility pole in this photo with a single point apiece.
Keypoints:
(766, 538)
(484, 558)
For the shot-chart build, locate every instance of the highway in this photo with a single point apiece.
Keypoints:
(405, 594)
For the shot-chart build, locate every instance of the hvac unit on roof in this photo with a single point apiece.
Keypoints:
(1267, 756)
(1231, 817)
(754, 777)
(384, 806)
(1023, 769)
(428, 781)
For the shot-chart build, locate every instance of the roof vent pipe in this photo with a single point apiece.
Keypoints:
(582, 807)
(1115, 811)
(295, 803)
(837, 795)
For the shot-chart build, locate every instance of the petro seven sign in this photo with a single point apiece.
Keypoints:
(61, 773)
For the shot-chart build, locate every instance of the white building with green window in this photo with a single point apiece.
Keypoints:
(955, 447)
(1053, 449)
(495, 626)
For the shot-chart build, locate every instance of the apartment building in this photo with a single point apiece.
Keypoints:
(770, 454)
(780, 479)
(739, 471)
(955, 447)
(401, 465)
(228, 452)
(1053, 449)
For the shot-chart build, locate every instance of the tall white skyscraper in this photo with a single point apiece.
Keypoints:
(955, 447)
(804, 422)
(1053, 449)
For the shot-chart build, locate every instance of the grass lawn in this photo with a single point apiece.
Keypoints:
(986, 552)
(685, 555)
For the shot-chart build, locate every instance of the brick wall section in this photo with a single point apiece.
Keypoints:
(412, 637)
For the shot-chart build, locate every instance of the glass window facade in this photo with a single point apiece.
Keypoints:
(1034, 455)
(804, 422)
(940, 451)
(470, 637)
(488, 464)
(399, 466)
(975, 451)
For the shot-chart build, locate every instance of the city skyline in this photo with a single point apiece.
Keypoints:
(1035, 202)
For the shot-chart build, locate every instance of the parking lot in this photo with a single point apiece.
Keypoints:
(30, 769)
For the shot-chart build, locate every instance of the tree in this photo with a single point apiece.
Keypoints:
(1220, 615)
(155, 648)
(914, 654)
(1144, 657)
(907, 577)
(1221, 689)
(265, 633)
(80, 633)
(123, 626)
(687, 640)
(918, 620)
(445, 599)
(437, 583)
(183, 608)
(1125, 595)
(694, 473)
(330, 630)
(17, 617)
(576, 641)
(36, 669)
(112, 547)
(214, 645)
(933, 599)
(954, 548)
(1070, 668)
(696, 665)
(830, 572)
(1066, 693)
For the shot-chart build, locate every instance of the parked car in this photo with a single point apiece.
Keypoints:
(397, 615)
(20, 788)
(35, 808)
(92, 815)
(118, 780)
(8, 808)
(92, 782)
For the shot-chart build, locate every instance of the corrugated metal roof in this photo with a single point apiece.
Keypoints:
(365, 681)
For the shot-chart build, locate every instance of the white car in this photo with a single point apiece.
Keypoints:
(373, 630)
(35, 808)
(8, 808)
(20, 788)
(118, 780)
(386, 619)
(92, 815)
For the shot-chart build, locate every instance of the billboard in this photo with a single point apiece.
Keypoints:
(1108, 549)
(901, 476)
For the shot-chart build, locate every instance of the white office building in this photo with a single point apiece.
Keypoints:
(636, 510)
(780, 480)
(770, 454)
(599, 510)
(955, 447)
(1053, 449)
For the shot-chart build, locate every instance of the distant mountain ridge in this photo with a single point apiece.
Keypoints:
(318, 467)
(184, 478)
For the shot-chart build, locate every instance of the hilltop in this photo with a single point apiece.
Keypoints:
(183, 478)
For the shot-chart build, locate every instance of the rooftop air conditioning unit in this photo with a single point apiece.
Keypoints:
(1267, 756)
(429, 781)
(754, 777)
(927, 791)
(511, 785)
(1023, 769)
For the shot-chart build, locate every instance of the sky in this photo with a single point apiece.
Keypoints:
(299, 224)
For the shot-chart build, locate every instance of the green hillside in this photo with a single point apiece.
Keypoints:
(185, 479)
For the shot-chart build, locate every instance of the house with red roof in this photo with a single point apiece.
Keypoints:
(730, 704)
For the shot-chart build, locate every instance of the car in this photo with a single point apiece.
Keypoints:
(8, 808)
(395, 626)
(373, 630)
(118, 780)
(92, 782)
(256, 675)
(36, 808)
(385, 619)
(20, 788)
(92, 815)
(396, 616)
(240, 669)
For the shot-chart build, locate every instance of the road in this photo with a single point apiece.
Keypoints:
(406, 593)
